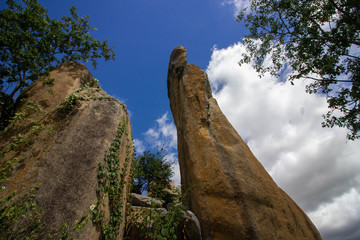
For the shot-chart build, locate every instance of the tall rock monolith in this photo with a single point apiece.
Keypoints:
(235, 198)
(65, 160)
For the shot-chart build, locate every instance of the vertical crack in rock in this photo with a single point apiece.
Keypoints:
(236, 198)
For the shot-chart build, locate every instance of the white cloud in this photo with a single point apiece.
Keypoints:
(173, 157)
(163, 134)
(282, 125)
(238, 5)
(139, 146)
(340, 214)
(177, 177)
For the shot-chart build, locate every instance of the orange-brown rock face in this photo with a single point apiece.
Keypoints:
(64, 130)
(236, 198)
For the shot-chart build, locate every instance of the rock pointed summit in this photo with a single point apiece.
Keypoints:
(235, 197)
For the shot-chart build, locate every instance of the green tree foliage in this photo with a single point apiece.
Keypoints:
(32, 44)
(152, 173)
(320, 41)
(6, 108)
(153, 224)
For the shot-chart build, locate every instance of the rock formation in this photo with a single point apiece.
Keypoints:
(67, 149)
(143, 219)
(145, 201)
(235, 197)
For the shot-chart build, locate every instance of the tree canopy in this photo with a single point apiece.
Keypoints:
(32, 44)
(152, 173)
(319, 40)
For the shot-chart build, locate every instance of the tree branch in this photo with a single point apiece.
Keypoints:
(286, 27)
(357, 20)
(18, 86)
(328, 80)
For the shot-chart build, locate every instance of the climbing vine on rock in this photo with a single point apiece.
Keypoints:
(20, 218)
(86, 93)
(112, 181)
(22, 139)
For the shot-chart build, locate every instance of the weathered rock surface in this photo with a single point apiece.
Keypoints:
(65, 133)
(145, 201)
(236, 198)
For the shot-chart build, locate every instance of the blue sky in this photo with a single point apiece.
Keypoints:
(317, 167)
(144, 33)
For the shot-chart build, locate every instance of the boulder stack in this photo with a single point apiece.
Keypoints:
(148, 216)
